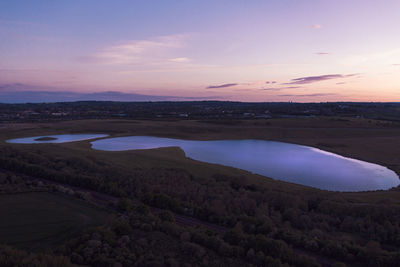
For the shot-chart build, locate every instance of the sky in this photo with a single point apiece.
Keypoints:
(241, 50)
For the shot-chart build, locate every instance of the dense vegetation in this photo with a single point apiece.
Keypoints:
(240, 218)
(140, 238)
(263, 222)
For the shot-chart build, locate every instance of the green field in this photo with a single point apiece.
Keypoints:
(40, 220)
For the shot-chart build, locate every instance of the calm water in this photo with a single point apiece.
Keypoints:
(59, 138)
(287, 162)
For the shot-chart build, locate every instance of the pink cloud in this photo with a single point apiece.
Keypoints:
(313, 79)
(222, 85)
(139, 51)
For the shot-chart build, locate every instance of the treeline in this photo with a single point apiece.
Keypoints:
(203, 110)
(11, 184)
(265, 220)
(140, 238)
(10, 257)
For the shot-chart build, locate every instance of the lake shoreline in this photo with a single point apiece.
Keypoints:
(281, 161)
(358, 139)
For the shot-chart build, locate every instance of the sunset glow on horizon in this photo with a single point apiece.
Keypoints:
(279, 50)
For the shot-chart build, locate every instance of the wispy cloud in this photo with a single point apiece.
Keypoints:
(271, 89)
(222, 85)
(313, 79)
(322, 53)
(245, 90)
(317, 26)
(270, 82)
(66, 96)
(139, 51)
(281, 88)
(179, 59)
(308, 95)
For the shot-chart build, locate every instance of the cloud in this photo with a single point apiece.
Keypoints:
(308, 95)
(139, 51)
(317, 26)
(245, 90)
(222, 85)
(270, 82)
(18, 87)
(281, 88)
(396, 64)
(7, 96)
(313, 79)
(322, 53)
(179, 59)
(271, 89)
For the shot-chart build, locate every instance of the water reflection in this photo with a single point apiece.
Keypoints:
(287, 162)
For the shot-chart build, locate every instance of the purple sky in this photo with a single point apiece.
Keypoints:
(278, 50)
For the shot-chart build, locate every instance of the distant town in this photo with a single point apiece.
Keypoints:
(197, 110)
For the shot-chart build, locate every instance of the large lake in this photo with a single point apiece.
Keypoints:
(57, 138)
(287, 162)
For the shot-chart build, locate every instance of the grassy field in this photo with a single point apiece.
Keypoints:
(40, 220)
(128, 161)
(368, 140)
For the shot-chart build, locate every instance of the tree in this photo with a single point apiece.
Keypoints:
(167, 216)
(124, 204)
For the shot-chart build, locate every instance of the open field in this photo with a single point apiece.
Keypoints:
(369, 140)
(41, 220)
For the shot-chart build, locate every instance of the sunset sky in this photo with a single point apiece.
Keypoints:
(249, 50)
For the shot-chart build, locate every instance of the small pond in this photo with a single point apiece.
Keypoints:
(58, 138)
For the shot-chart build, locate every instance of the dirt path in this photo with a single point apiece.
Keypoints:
(105, 200)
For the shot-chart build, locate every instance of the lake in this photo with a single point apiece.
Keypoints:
(282, 161)
(57, 138)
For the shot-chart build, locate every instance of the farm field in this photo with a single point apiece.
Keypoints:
(41, 220)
